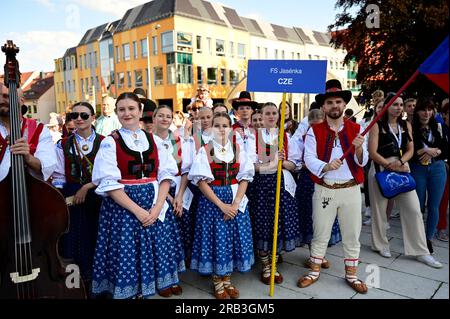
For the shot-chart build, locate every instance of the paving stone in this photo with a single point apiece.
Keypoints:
(375, 293)
(442, 293)
(411, 266)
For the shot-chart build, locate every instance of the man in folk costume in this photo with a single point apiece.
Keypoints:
(337, 182)
(36, 144)
(244, 107)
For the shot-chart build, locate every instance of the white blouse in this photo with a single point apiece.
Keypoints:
(59, 175)
(186, 150)
(201, 170)
(45, 153)
(106, 173)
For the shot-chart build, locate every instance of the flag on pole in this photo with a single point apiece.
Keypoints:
(435, 67)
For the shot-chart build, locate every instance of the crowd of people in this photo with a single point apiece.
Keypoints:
(153, 192)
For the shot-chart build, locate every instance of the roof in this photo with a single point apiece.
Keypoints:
(322, 38)
(253, 27)
(70, 51)
(303, 35)
(286, 34)
(39, 86)
(93, 34)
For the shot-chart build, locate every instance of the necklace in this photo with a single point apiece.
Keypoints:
(223, 151)
(85, 147)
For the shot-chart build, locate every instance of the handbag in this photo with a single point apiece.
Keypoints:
(394, 183)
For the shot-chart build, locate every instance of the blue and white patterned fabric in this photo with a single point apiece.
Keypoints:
(130, 259)
(262, 209)
(221, 247)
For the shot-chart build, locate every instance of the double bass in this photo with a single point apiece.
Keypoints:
(33, 215)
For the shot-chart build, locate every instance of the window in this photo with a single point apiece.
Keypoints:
(146, 77)
(220, 47)
(231, 49)
(199, 75)
(258, 52)
(97, 84)
(158, 75)
(130, 84)
(209, 45)
(212, 76)
(276, 54)
(223, 76)
(266, 53)
(184, 41)
(120, 79)
(117, 54)
(138, 78)
(234, 77)
(199, 44)
(331, 64)
(155, 45)
(282, 55)
(309, 56)
(86, 83)
(95, 59)
(73, 62)
(184, 73)
(85, 61)
(298, 56)
(135, 50)
(126, 51)
(81, 62)
(167, 42)
(73, 86)
(143, 48)
(82, 86)
(241, 51)
(293, 56)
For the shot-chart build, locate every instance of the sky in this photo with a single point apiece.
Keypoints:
(44, 29)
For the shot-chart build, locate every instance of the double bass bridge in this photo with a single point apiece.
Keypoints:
(17, 279)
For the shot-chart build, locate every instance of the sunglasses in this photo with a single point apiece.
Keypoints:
(84, 116)
(195, 109)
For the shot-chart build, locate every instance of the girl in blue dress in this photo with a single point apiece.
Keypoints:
(262, 205)
(138, 250)
(222, 238)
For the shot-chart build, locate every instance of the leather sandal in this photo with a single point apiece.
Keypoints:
(307, 281)
(325, 264)
(166, 293)
(219, 289)
(231, 290)
(358, 285)
(176, 290)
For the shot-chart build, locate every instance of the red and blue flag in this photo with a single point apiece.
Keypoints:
(435, 67)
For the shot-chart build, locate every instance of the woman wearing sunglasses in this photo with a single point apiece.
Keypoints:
(75, 156)
(139, 249)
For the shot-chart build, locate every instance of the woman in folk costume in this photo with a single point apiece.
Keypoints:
(138, 247)
(304, 194)
(262, 205)
(223, 236)
(73, 174)
(180, 150)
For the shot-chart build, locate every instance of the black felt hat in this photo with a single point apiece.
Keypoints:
(149, 108)
(333, 88)
(244, 99)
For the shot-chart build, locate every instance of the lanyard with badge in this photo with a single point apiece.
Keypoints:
(397, 138)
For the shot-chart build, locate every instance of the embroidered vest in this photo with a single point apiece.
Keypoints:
(325, 139)
(263, 150)
(129, 162)
(224, 173)
(79, 170)
(33, 131)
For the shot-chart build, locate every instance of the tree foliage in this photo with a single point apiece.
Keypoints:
(409, 31)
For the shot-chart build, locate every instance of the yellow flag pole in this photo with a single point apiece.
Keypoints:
(277, 198)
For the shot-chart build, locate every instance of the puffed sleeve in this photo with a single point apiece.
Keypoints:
(187, 155)
(246, 167)
(168, 168)
(200, 169)
(45, 153)
(365, 154)
(295, 150)
(106, 173)
(59, 177)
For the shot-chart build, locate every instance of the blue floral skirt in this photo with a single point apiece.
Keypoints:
(130, 259)
(304, 193)
(78, 243)
(221, 247)
(262, 209)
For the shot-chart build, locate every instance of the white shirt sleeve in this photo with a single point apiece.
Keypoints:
(167, 169)
(295, 151)
(200, 169)
(45, 152)
(106, 173)
(246, 167)
(187, 155)
(59, 175)
(312, 162)
(365, 154)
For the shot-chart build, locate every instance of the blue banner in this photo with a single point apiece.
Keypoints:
(290, 76)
